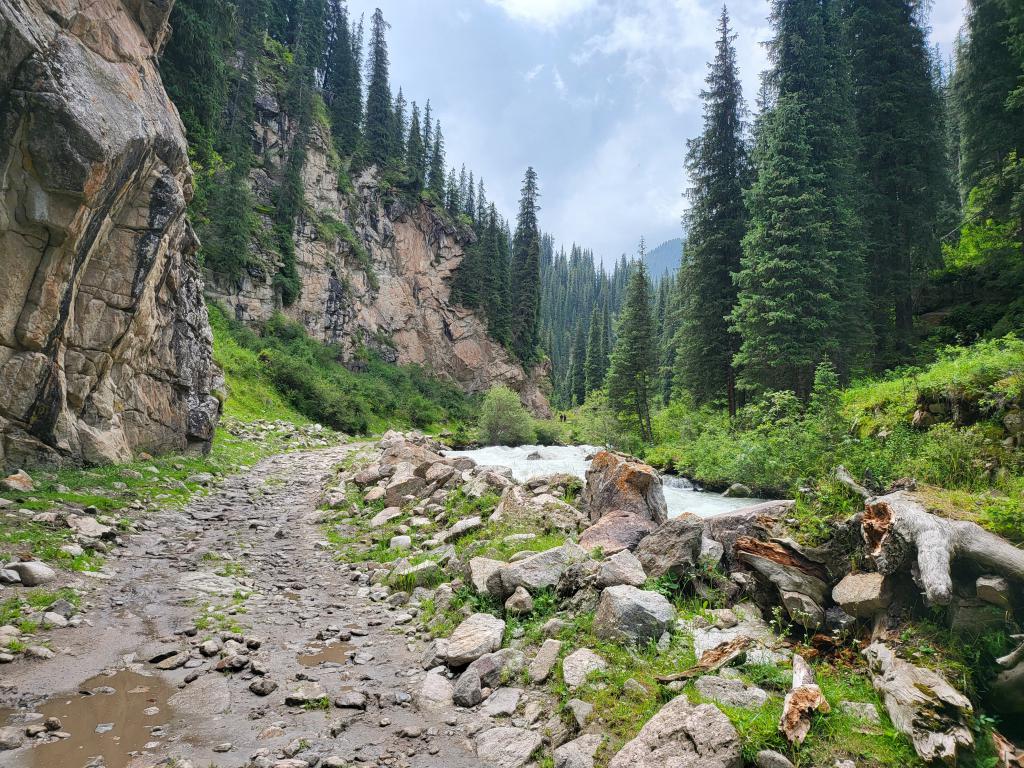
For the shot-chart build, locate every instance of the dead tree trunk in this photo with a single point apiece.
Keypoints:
(922, 705)
(803, 700)
(896, 527)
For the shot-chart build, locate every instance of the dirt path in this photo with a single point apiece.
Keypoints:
(249, 554)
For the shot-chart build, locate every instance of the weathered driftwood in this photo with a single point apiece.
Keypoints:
(1008, 754)
(803, 700)
(896, 526)
(843, 476)
(922, 705)
(1014, 657)
(713, 659)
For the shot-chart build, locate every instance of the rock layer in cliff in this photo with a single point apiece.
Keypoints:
(105, 346)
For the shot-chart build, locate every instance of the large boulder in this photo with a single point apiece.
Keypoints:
(621, 568)
(579, 664)
(683, 735)
(479, 634)
(535, 572)
(615, 532)
(674, 547)
(105, 344)
(616, 483)
(507, 747)
(520, 509)
(861, 594)
(628, 614)
(404, 482)
(756, 521)
(480, 570)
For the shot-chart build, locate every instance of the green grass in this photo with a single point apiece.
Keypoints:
(14, 610)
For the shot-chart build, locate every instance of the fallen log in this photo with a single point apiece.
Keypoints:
(712, 659)
(784, 566)
(803, 700)
(896, 526)
(922, 705)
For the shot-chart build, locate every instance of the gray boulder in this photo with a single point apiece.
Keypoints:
(33, 573)
(673, 548)
(578, 753)
(616, 531)
(542, 664)
(628, 614)
(683, 735)
(480, 570)
(861, 595)
(731, 692)
(507, 747)
(580, 663)
(535, 572)
(621, 568)
(479, 634)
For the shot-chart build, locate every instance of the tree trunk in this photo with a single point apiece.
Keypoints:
(896, 526)
(803, 700)
(923, 706)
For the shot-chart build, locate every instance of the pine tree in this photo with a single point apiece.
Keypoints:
(343, 80)
(437, 178)
(577, 365)
(787, 294)
(900, 149)
(415, 153)
(632, 376)
(399, 129)
(469, 201)
(525, 273)
(379, 131)
(716, 222)
(452, 201)
(594, 373)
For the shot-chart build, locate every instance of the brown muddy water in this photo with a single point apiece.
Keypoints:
(334, 652)
(115, 717)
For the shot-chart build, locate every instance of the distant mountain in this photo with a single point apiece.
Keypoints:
(665, 258)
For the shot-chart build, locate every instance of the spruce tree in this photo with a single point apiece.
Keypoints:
(415, 153)
(452, 201)
(715, 222)
(437, 178)
(343, 80)
(379, 131)
(578, 367)
(525, 273)
(594, 372)
(399, 130)
(900, 150)
(469, 201)
(633, 374)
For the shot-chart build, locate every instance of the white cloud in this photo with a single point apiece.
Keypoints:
(559, 83)
(544, 13)
(532, 74)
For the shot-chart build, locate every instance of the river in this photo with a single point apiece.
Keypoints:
(680, 495)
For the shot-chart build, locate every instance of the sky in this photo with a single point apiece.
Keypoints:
(599, 96)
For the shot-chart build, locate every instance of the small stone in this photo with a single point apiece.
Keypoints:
(769, 758)
(53, 620)
(862, 710)
(33, 573)
(994, 590)
(582, 711)
(225, 747)
(19, 481)
(507, 747)
(502, 703)
(350, 700)
(861, 595)
(400, 542)
(579, 664)
(263, 686)
(542, 664)
(479, 634)
(519, 603)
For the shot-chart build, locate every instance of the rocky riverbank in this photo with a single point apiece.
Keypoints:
(384, 604)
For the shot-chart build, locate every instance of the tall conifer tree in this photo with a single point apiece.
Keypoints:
(525, 273)
(379, 131)
(633, 373)
(716, 221)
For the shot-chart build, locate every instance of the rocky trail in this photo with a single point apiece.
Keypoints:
(324, 674)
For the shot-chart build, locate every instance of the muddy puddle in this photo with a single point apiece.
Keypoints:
(110, 716)
(335, 652)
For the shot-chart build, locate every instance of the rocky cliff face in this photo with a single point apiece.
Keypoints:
(105, 348)
(375, 270)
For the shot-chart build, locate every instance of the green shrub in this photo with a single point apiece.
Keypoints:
(504, 420)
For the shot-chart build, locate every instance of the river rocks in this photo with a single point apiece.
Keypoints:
(616, 483)
(479, 634)
(262, 686)
(11, 737)
(861, 595)
(534, 572)
(628, 614)
(545, 660)
(737, 491)
(460, 529)
(104, 336)
(578, 664)
(730, 692)
(405, 482)
(480, 570)
(400, 542)
(502, 703)
(420, 575)
(769, 758)
(8, 576)
(683, 735)
(32, 572)
(616, 531)
(520, 603)
(673, 547)
(803, 610)
(621, 568)
(862, 710)
(507, 747)
(350, 700)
